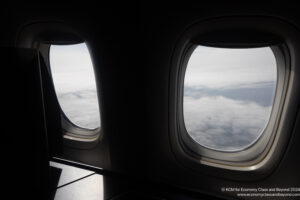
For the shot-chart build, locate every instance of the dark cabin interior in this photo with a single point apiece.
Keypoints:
(132, 47)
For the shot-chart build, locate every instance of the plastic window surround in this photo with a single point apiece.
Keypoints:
(40, 35)
(260, 156)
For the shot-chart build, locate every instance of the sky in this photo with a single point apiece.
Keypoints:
(74, 82)
(228, 96)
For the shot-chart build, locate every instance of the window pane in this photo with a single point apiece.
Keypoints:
(75, 86)
(228, 96)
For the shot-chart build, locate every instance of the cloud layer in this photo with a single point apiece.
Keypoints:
(225, 124)
(81, 107)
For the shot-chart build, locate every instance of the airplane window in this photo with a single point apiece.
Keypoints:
(228, 96)
(74, 83)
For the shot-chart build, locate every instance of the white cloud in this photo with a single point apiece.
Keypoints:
(222, 123)
(81, 108)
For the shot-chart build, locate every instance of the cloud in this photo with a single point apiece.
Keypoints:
(81, 107)
(224, 124)
(262, 93)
